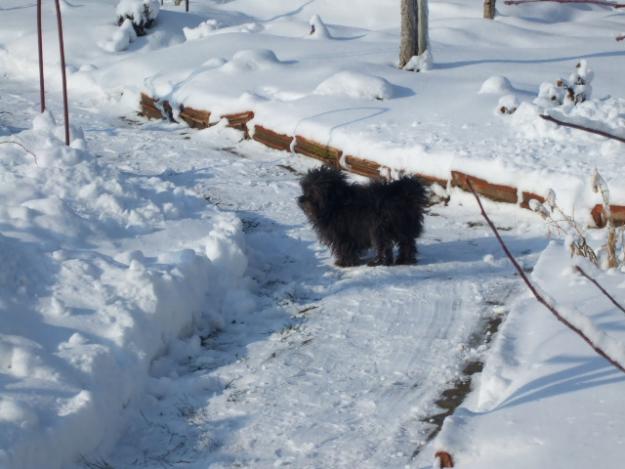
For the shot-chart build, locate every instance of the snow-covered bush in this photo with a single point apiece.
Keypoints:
(573, 91)
(142, 13)
(610, 253)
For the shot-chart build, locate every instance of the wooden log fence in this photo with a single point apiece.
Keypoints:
(154, 109)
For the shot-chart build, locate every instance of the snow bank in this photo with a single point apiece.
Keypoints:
(545, 398)
(356, 85)
(99, 272)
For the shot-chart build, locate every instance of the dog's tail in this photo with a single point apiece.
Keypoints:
(413, 194)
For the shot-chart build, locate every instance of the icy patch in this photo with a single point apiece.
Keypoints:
(356, 85)
(496, 85)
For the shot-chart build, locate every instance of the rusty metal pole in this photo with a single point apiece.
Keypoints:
(42, 94)
(63, 71)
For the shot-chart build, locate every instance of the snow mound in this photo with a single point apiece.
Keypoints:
(507, 104)
(318, 29)
(203, 30)
(496, 85)
(356, 85)
(121, 38)
(252, 60)
(99, 272)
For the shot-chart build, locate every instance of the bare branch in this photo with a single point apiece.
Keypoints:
(601, 289)
(534, 291)
(593, 2)
(23, 148)
(581, 127)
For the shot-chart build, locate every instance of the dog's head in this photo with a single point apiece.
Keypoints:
(322, 188)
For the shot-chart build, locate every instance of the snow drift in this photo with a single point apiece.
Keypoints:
(100, 270)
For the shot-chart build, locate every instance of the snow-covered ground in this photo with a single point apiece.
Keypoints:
(545, 398)
(343, 89)
(164, 302)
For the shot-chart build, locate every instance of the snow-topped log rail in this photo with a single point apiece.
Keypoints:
(152, 108)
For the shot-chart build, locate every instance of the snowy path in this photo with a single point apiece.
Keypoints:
(335, 368)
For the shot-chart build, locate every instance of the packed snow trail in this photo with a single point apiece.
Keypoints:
(334, 367)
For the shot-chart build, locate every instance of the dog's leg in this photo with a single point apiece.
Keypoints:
(407, 252)
(346, 255)
(383, 249)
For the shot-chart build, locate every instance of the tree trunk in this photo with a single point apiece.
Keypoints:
(409, 45)
(489, 9)
(414, 30)
(422, 26)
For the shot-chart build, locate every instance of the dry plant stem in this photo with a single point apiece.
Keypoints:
(581, 127)
(11, 142)
(580, 248)
(538, 296)
(611, 244)
(601, 289)
(593, 2)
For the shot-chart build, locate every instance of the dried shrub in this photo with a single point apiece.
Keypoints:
(609, 255)
(142, 14)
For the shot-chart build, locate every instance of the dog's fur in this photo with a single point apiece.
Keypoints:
(350, 218)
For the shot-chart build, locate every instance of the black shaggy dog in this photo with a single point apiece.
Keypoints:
(350, 218)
